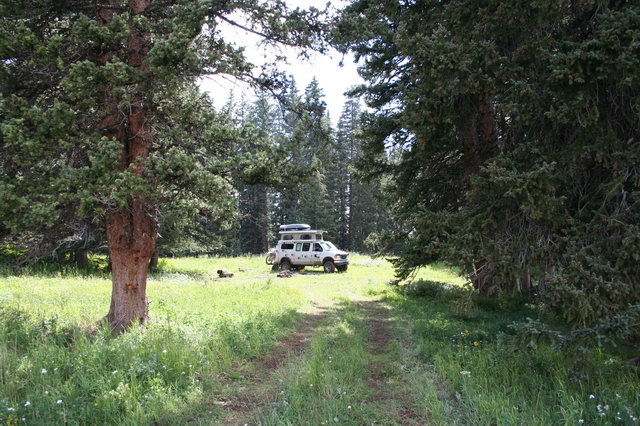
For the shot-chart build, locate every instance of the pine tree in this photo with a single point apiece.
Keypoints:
(95, 124)
(254, 232)
(362, 208)
(502, 154)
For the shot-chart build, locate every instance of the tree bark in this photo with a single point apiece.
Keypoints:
(132, 229)
(80, 257)
(476, 127)
(153, 263)
(131, 238)
(482, 281)
(525, 280)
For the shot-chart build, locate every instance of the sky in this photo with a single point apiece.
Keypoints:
(333, 78)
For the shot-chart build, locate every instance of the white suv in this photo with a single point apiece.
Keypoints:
(301, 246)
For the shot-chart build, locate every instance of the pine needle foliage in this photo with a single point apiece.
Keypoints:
(508, 135)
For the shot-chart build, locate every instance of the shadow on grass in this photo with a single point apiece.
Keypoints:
(10, 266)
(175, 367)
(443, 311)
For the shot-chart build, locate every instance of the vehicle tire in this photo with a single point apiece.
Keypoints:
(329, 266)
(285, 265)
(341, 268)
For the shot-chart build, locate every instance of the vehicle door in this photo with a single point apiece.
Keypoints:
(296, 256)
(316, 255)
(304, 255)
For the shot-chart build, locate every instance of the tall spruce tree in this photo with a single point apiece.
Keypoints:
(91, 126)
(255, 229)
(363, 210)
(509, 133)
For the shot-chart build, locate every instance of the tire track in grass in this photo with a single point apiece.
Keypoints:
(257, 387)
(387, 385)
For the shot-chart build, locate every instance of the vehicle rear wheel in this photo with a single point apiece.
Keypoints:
(285, 265)
(341, 268)
(329, 266)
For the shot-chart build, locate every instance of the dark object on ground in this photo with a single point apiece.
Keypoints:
(635, 361)
(285, 274)
(224, 274)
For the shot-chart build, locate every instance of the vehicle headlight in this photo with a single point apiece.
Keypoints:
(336, 256)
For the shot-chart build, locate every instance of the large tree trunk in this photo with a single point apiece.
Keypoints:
(80, 257)
(131, 230)
(263, 219)
(131, 238)
(476, 127)
(477, 130)
(155, 257)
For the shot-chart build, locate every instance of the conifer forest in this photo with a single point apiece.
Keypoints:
(474, 206)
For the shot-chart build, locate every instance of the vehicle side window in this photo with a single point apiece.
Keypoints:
(286, 246)
(298, 246)
(317, 247)
(305, 237)
(306, 246)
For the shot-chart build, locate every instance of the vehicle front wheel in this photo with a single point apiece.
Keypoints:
(285, 265)
(341, 268)
(329, 266)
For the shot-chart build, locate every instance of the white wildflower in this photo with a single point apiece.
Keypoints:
(164, 351)
(59, 401)
(26, 404)
(44, 371)
(581, 421)
(592, 396)
(465, 372)
(11, 409)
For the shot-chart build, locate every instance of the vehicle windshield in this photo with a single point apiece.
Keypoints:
(327, 245)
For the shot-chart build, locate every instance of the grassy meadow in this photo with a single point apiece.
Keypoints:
(375, 353)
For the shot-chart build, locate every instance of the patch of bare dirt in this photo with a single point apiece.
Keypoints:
(295, 344)
(379, 325)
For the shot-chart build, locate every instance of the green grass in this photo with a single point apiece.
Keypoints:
(496, 382)
(203, 329)
(200, 326)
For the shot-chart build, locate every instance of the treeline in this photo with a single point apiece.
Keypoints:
(293, 167)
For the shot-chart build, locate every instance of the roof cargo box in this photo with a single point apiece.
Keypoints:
(295, 227)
